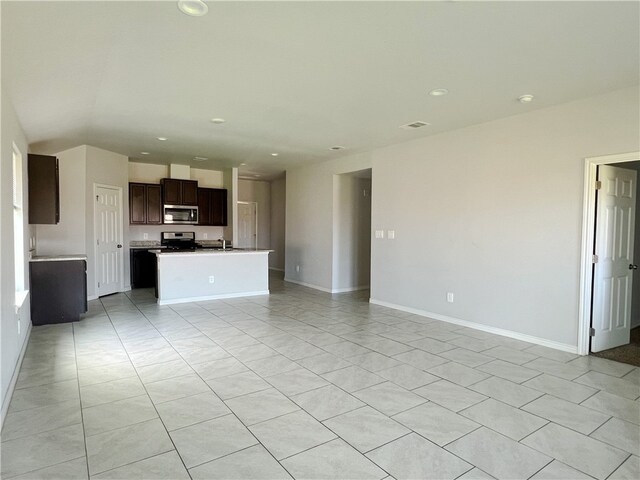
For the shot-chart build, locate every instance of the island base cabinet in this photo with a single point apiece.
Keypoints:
(58, 291)
(143, 268)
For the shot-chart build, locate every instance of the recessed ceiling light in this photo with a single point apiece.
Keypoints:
(242, 164)
(416, 124)
(257, 175)
(337, 147)
(274, 154)
(218, 120)
(200, 159)
(144, 153)
(162, 139)
(525, 98)
(438, 92)
(194, 8)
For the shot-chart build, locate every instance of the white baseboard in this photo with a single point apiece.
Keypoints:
(14, 378)
(276, 269)
(478, 326)
(212, 297)
(349, 289)
(310, 285)
(92, 297)
(327, 290)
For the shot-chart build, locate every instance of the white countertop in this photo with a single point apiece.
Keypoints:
(57, 258)
(235, 251)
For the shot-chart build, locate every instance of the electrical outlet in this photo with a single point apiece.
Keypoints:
(391, 234)
(211, 279)
(297, 268)
(19, 324)
(205, 236)
(450, 297)
(145, 236)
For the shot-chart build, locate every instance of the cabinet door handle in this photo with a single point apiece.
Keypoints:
(119, 246)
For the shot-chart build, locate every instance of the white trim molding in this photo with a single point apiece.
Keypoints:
(310, 285)
(350, 289)
(212, 297)
(478, 326)
(588, 228)
(14, 378)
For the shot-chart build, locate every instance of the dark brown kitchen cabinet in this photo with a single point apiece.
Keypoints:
(145, 204)
(44, 189)
(58, 290)
(143, 268)
(212, 206)
(179, 192)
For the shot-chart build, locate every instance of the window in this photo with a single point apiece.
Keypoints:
(18, 222)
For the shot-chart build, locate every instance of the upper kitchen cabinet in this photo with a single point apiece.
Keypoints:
(212, 206)
(44, 189)
(145, 204)
(179, 192)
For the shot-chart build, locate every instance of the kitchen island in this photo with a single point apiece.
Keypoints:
(199, 275)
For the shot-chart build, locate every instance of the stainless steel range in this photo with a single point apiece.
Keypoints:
(178, 240)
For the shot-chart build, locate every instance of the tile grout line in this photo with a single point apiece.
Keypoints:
(147, 392)
(84, 434)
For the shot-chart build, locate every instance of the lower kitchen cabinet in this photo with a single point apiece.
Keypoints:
(143, 268)
(58, 290)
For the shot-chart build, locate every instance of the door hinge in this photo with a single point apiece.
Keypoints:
(594, 259)
(598, 184)
(592, 332)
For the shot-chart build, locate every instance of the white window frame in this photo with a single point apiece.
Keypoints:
(18, 226)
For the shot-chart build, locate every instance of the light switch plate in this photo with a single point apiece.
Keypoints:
(391, 234)
(379, 233)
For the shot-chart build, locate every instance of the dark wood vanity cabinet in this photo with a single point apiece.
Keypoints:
(179, 192)
(212, 206)
(44, 189)
(145, 204)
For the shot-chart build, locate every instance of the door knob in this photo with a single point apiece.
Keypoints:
(633, 267)
(120, 246)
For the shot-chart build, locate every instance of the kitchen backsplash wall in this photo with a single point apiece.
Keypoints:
(136, 232)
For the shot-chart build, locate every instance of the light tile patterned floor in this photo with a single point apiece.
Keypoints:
(307, 385)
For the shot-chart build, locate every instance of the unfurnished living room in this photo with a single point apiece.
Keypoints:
(320, 240)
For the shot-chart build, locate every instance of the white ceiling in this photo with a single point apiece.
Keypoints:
(297, 77)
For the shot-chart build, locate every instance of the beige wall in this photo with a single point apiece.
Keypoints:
(11, 342)
(491, 213)
(278, 218)
(309, 220)
(68, 236)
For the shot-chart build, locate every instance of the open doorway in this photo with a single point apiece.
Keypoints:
(351, 231)
(610, 314)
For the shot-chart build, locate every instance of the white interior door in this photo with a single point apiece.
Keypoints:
(613, 271)
(247, 225)
(108, 230)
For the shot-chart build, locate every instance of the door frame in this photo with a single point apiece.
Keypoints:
(256, 225)
(95, 235)
(588, 237)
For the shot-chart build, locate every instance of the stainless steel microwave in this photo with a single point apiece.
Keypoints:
(181, 214)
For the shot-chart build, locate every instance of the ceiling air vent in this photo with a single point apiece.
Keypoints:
(412, 125)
